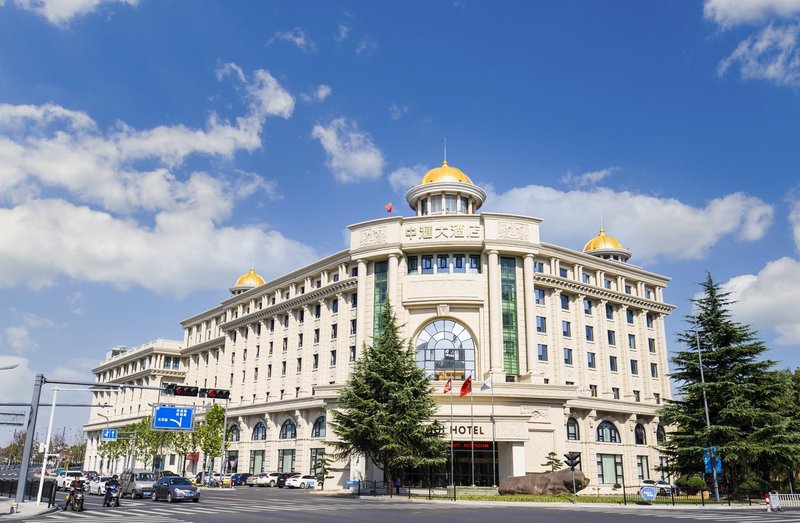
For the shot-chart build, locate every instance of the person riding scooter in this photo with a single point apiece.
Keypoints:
(75, 486)
(113, 482)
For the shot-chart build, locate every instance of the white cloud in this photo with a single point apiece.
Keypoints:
(397, 111)
(61, 12)
(729, 13)
(318, 95)
(794, 218)
(75, 302)
(367, 45)
(298, 37)
(404, 178)
(773, 54)
(19, 337)
(115, 223)
(352, 155)
(342, 33)
(587, 179)
(652, 228)
(15, 384)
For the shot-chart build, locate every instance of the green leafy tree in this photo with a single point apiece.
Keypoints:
(184, 443)
(752, 421)
(209, 432)
(553, 463)
(386, 408)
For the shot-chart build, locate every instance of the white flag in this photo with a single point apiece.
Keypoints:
(487, 384)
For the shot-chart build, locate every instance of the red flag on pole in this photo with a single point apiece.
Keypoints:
(466, 388)
(388, 207)
(448, 386)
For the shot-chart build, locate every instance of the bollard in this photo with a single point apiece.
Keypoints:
(767, 502)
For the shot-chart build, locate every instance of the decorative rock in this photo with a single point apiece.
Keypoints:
(558, 482)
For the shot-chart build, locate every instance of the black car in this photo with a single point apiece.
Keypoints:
(282, 479)
(175, 488)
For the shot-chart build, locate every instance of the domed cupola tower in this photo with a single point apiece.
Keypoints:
(247, 281)
(445, 190)
(606, 247)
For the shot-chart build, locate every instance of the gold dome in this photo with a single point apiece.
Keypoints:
(602, 241)
(445, 173)
(250, 279)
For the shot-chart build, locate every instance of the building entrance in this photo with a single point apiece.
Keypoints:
(485, 460)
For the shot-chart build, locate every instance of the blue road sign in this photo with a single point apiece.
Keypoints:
(170, 417)
(108, 435)
(648, 493)
(708, 453)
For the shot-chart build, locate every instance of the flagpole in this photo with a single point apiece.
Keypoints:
(452, 448)
(494, 444)
(472, 429)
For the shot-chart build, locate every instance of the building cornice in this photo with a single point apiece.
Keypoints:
(603, 264)
(557, 282)
(206, 345)
(136, 353)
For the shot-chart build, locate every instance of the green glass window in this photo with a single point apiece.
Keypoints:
(381, 294)
(508, 288)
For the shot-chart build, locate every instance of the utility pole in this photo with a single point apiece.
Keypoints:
(712, 453)
(26, 451)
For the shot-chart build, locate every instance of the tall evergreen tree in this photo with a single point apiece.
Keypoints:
(386, 409)
(749, 404)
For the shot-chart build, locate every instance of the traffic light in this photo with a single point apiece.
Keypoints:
(572, 459)
(180, 390)
(218, 394)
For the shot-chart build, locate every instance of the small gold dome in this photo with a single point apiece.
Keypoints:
(602, 241)
(250, 279)
(445, 173)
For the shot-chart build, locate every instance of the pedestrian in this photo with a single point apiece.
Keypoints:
(397, 485)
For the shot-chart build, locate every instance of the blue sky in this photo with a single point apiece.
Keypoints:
(149, 150)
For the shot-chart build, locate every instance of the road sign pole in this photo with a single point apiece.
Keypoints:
(224, 437)
(26, 451)
(574, 491)
(47, 446)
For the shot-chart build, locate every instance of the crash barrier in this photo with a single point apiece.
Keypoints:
(781, 501)
(8, 488)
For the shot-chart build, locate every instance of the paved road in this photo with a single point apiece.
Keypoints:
(265, 504)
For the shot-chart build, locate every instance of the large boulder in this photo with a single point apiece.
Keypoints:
(558, 482)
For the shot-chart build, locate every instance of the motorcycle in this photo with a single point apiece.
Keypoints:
(74, 500)
(113, 499)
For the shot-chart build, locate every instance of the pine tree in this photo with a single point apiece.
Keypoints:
(553, 463)
(385, 411)
(748, 403)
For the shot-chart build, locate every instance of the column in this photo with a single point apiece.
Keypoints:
(495, 317)
(392, 281)
(530, 313)
(361, 320)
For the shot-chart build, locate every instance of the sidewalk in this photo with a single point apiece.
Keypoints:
(27, 509)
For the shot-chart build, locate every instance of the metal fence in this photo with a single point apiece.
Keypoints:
(8, 488)
(782, 501)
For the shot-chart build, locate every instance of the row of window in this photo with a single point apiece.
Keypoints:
(299, 365)
(589, 305)
(444, 204)
(288, 430)
(444, 264)
(607, 433)
(566, 331)
(591, 361)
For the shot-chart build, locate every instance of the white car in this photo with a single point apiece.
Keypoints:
(98, 485)
(661, 487)
(268, 479)
(298, 481)
(65, 479)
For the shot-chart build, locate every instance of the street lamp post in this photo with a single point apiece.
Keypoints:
(705, 406)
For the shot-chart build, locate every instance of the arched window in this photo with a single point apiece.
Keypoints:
(445, 349)
(233, 433)
(573, 432)
(639, 435)
(661, 435)
(259, 431)
(319, 428)
(288, 430)
(607, 433)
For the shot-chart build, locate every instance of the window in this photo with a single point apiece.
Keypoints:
(353, 325)
(317, 310)
(286, 320)
(648, 293)
(567, 356)
(607, 433)
(661, 435)
(450, 203)
(587, 306)
(566, 328)
(288, 430)
(538, 296)
(353, 300)
(442, 263)
(642, 468)
(445, 349)
(285, 344)
(424, 207)
(612, 363)
(657, 398)
(632, 341)
(589, 333)
(563, 273)
(651, 344)
(654, 370)
(333, 358)
(299, 340)
(475, 263)
(541, 324)
(233, 433)
(427, 264)
(318, 431)
(612, 338)
(565, 302)
(637, 396)
(542, 352)
(593, 390)
(255, 374)
(334, 306)
(609, 312)
(459, 263)
(607, 283)
(634, 367)
(286, 460)
(299, 364)
(639, 434)
(573, 432)
(352, 353)
(629, 315)
(649, 320)
(256, 461)
(609, 469)
(315, 361)
(538, 266)
(464, 205)
(615, 392)
(413, 264)
(627, 289)
(283, 368)
(436, 204)
(167, 362)
(269, 371)
(270, 348)
(334, 331)
(317, 461)
(316, 335)
(586, 278)
(259, 431)
(354, 272)
(590, 360)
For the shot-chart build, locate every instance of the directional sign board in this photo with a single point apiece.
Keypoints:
(172, 417)
(648, 493)
(108, 435)
(12, 418)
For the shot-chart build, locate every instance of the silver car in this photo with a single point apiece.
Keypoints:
(175, 488)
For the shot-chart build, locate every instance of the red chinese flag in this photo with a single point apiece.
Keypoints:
(448, 386)
(466, 388)
(389, 207)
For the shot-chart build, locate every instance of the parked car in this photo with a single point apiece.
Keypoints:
(662, 487)
(252, 479)
(98, 485)
(175, 488)
(138, 483)
(90, 474)
(239, 479)
(301, 481)
(65, 479)
(164, 473)
(282, 479)
(268, 479)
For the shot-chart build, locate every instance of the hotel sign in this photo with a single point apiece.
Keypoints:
(470, 430)
(445, 231)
